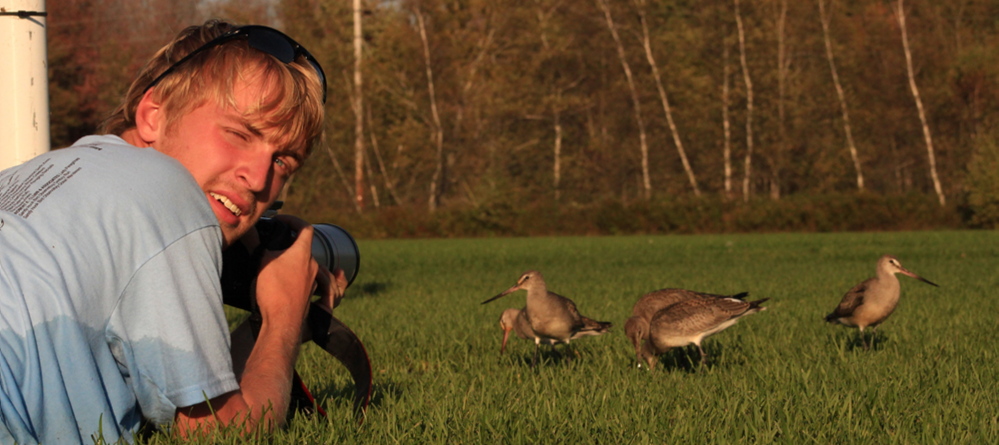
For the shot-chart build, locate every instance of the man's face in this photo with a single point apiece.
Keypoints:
(237, 164)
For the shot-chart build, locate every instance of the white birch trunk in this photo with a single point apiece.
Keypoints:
(749, 105)
(919, 106)
(438, 131)
(386, 177)
(726, 123)
(783, 66)
(558, 154)
(643, 143)
(358, 110)
(665, 100)
(841, 95)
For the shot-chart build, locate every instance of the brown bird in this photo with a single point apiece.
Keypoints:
(869, 303)
(516, 320)
(552, 317)
(691, 321)
(636, 328)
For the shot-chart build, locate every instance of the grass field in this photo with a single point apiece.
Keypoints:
(782, 375)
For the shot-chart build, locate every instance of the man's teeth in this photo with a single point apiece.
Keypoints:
(227, 203)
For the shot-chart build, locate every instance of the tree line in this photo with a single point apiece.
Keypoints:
(491, 105)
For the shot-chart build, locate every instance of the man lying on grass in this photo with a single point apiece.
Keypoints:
(110, 304)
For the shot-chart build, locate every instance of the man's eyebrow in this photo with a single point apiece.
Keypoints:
(246, 124)
(252, 129)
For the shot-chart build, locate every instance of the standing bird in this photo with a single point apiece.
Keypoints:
(691, 321)
(874, 299)
(516, 320)
(552, 317)
(636, 328)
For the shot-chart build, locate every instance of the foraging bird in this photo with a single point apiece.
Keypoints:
(869, 303)
(552, 317)
(691, 321)
(516, 320)
(636, 328)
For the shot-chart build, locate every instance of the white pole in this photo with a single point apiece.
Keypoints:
(24, 85)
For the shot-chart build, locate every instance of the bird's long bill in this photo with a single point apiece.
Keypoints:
(506, 292)
(906, 271)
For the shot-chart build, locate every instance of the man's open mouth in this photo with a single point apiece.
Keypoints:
(227, 203)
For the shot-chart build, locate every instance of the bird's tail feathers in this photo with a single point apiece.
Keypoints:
(591, 325)
(754, 306)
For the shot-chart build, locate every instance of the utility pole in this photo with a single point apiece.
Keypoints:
(24, 84)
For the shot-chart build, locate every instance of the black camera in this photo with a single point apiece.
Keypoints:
(332, 246)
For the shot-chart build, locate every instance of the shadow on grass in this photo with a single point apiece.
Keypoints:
(334, 394)
(547, 356)
(688, 358)
(374, 288)
(854, 342)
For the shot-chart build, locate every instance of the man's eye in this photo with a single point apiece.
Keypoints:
(280, 162)
(239, 135)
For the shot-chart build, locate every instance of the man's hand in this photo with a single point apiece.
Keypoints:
(286, 279)
(283, 290)
(330, 287)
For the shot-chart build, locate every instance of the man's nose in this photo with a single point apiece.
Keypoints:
(256, 170)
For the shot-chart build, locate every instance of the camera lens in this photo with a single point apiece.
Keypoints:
(333, 248)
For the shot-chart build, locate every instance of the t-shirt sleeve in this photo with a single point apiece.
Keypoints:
(169, 332)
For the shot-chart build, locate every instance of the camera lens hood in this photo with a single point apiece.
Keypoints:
(333, 248)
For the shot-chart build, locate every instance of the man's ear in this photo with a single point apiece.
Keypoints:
(150, 122)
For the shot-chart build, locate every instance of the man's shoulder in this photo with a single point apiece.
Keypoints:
(120, 165)
(114, 174)
(114, 150)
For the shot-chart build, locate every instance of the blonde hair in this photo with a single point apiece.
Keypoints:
(294, 105)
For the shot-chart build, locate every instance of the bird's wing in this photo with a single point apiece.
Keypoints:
(579, 322)
(851, 301)
(737, 296)
(650, 303)
(568, 304)
(698, 315)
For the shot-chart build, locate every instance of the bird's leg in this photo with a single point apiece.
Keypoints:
(704, 357)
(568, 351)
(537, 347)
(863, 339)
(874, 336)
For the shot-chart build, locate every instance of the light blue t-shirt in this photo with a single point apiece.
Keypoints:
(110, 303)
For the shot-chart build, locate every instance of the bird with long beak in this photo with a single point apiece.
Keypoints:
(691, 321)
(869, 303)
(636, 328)
(553, 319)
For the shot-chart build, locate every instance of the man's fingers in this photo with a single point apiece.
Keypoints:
(340, 278)
(331, 287)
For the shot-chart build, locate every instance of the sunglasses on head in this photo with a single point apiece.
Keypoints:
(261, 38)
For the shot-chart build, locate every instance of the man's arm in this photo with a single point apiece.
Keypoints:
(283, 288)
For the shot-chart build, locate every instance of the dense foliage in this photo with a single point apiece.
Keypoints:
(534, 109)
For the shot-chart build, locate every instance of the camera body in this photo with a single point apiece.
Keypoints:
(332, 246)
